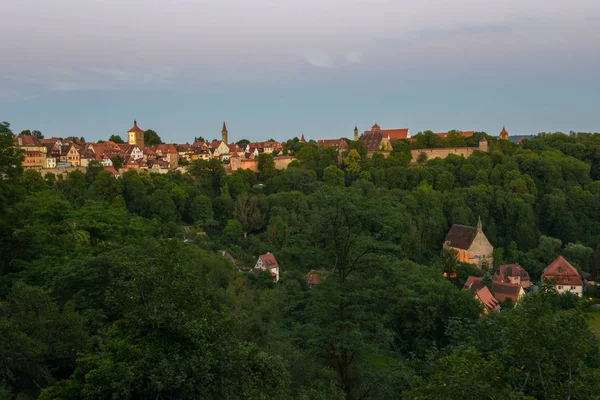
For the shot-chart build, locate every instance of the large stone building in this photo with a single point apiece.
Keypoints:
(471, 245)
(135, 136)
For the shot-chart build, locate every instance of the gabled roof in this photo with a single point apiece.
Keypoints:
(216, 143)
(505, 271)
(487, 299)
(227, 255)
(372, 140)
(503, 291)
(393, 134)
(336, 143)
(563, 272)
(504, 133)
(135, 128)
(28, 140)
(112, 170)
(269, 261)
(460, 236)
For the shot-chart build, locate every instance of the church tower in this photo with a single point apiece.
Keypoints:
(355, 133)
(224, 134)
(135, 136)
(504, 134)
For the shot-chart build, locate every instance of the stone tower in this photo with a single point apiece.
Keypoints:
(355, 133)
(504, 134)
(224, 134)
(135, 136)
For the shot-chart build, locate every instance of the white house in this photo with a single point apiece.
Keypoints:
(564, 276)
(50, 162)
(267, 262)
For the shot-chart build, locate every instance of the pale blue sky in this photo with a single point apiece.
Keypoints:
(283, 68)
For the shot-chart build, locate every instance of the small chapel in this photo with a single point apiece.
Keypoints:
(471, 245)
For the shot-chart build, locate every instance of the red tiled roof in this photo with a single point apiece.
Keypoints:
(503, 133)
(27, 140)
(505, 271)
(393, 134)
(503, 291)
(337, 143)
(563, 272)
(216, 143)
(269, 261)
(313, 277)
(135, 128)
(487, 299)
(112, 170)
(462, 133)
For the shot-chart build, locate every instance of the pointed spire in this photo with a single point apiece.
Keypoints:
(479, 227)
(134, 122)
(302, 138)
(224, 127)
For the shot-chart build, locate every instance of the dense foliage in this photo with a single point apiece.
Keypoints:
(116, 287)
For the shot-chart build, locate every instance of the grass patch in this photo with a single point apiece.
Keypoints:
(594, 323)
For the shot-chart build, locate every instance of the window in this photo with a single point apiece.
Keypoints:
(572, 287)
(560, 287)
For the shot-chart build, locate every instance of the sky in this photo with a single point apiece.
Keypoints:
(283, 68)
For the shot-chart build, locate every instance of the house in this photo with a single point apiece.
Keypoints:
(314, 277)
(267, 262)
(512, 273)
(392, 134)
(73, 156)
(33, 150)
(219, 147)
(470, 244)
(50, 162)
(482, 294)
(338, 144)
(485, 297)
(502, 291)
(112, 170)
(564, 276)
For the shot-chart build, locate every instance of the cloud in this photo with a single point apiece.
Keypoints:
(321, 60)
(354, 57)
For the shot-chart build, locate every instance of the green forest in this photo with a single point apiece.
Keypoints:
(116, 288)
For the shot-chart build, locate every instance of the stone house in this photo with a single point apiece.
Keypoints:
(470, 244)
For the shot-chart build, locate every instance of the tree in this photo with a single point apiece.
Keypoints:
(117, 163)
(334, 176)
(200, 210)
(151, 138)
(199, 139)
(33, 181)
(233, 230)
(352, 163)
(247, 211)
(93, 169)
(161, 205)
(243, 143)
(266, 166)
(35, 133)
(117, 139)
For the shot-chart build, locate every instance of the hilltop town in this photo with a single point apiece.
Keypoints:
(65, 154)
